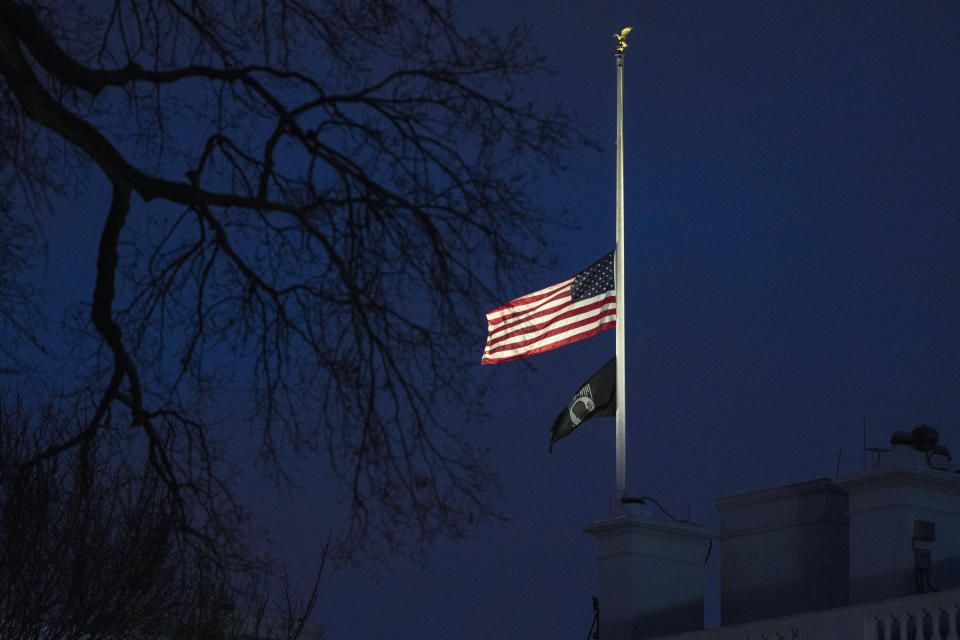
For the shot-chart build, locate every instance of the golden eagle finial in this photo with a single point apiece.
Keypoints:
(622, 38)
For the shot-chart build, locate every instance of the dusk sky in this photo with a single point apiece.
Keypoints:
(792, 196)
(792, 191)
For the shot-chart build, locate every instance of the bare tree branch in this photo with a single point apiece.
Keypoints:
(310, 205)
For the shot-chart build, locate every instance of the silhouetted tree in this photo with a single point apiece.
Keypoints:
(308, 201)
(90, 549)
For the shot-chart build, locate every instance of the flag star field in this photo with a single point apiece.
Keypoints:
(594, 280)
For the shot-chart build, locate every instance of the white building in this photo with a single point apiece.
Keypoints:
(873, 556)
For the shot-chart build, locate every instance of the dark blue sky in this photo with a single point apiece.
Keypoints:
(793, 220)
(793, 223)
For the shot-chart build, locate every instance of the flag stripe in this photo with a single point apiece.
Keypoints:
(535, 320)
(550, 318)
(506, 312)
(548, 307)
(559, 342)
(579, 324)
(565, 315)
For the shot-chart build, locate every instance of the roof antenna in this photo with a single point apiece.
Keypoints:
(864, 442)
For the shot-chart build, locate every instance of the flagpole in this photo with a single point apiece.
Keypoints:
(620, 284)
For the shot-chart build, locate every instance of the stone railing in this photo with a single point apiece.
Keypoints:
(930, 616)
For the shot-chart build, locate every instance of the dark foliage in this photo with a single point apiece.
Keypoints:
(89, 548)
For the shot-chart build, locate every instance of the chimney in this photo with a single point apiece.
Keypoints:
(650, 575)
(905, 520)
(784, 551)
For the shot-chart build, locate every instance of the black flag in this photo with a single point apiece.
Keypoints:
(597, 397)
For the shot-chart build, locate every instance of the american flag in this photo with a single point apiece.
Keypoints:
(562, 313)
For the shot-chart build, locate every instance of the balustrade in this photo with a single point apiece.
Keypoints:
(934, 620)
